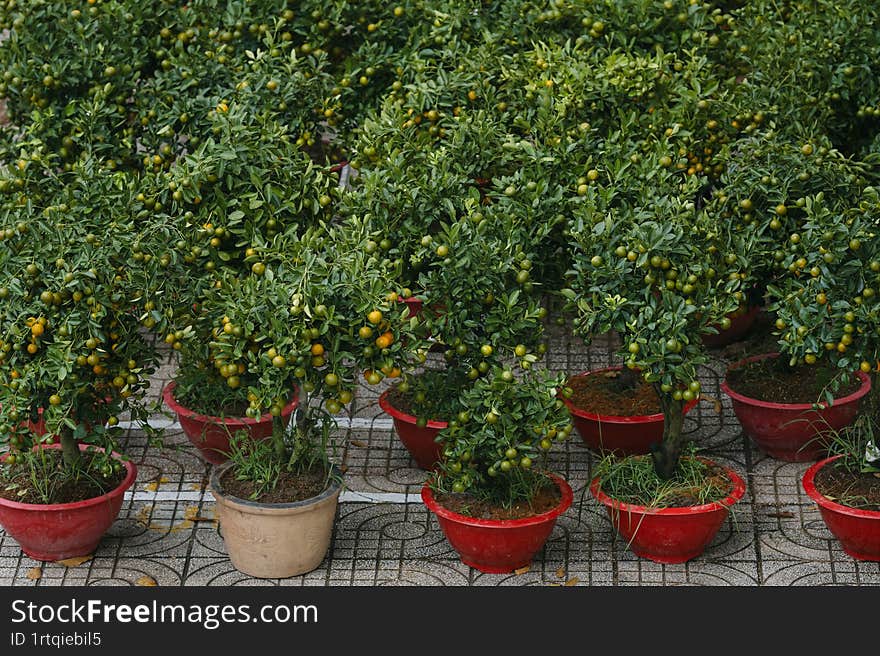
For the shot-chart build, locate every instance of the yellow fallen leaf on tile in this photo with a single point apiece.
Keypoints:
(147, 581)
(143, 515)
(522, 570)
(76, 561)
(154, 485)
(35, 573)
(574, 580)
(192, 514)
(198, 487)
(560, 573)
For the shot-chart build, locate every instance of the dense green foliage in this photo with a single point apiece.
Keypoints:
(650, 166)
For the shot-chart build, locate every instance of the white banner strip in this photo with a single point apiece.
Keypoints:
(343, 422)
(347, 496)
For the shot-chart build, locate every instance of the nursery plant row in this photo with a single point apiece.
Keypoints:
(295, 197)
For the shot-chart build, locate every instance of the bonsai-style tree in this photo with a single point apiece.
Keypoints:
(222, 213)
(502, 412)
(827, 305)
(660, 274)
(763, 193)
(407, 190)
(72, 357)
(320, 314)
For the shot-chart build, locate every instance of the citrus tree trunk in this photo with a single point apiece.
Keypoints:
(69, 448)
(278, 438)
(666, 454)
(872, 400)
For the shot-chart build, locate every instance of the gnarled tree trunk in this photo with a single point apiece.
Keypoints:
(666, 454)
(69, 448)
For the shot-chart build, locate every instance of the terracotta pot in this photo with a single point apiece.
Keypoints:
(53, 532)
(793, 432)
(419, 441)
(498, 546)
(211, 434)
(740, 324)
(276, 540)
(858, 531)
(669, 535)
(618, 434)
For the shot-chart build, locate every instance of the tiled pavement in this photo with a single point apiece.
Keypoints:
(166, 532)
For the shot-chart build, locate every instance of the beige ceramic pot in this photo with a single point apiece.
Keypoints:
(276, 540)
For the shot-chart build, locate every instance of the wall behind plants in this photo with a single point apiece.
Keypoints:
(549, 118)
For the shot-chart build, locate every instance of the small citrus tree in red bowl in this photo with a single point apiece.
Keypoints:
(660, 276)
(72, 359)
(810, 215)
(831, 319)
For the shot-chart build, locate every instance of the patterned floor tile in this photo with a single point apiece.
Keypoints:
(167, 531)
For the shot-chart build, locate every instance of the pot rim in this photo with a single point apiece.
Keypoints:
(738, 491)
(386, 406)
(553, 513)
(616, 419)
(126, 483)
(809, 485)
(863, 389)
(183, 411)
(333, 488)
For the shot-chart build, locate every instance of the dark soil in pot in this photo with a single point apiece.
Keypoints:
(759, 340)
(765, 380)
(291, 487)
(547, 498)
(402, 401)
(602, 394)
(849, 488)
(64, 487)
(434, 408)
(230, 409)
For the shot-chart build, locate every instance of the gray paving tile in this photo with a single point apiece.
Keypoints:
(775, 535)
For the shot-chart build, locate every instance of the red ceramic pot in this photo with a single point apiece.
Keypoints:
(211, 434)
(793, 431)
(414, 304)
(38, 428)
(621, 435)
(858, 531)
(419, 441)
(669, 535)
(65, 530)
(497, 546)
(740, 324)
